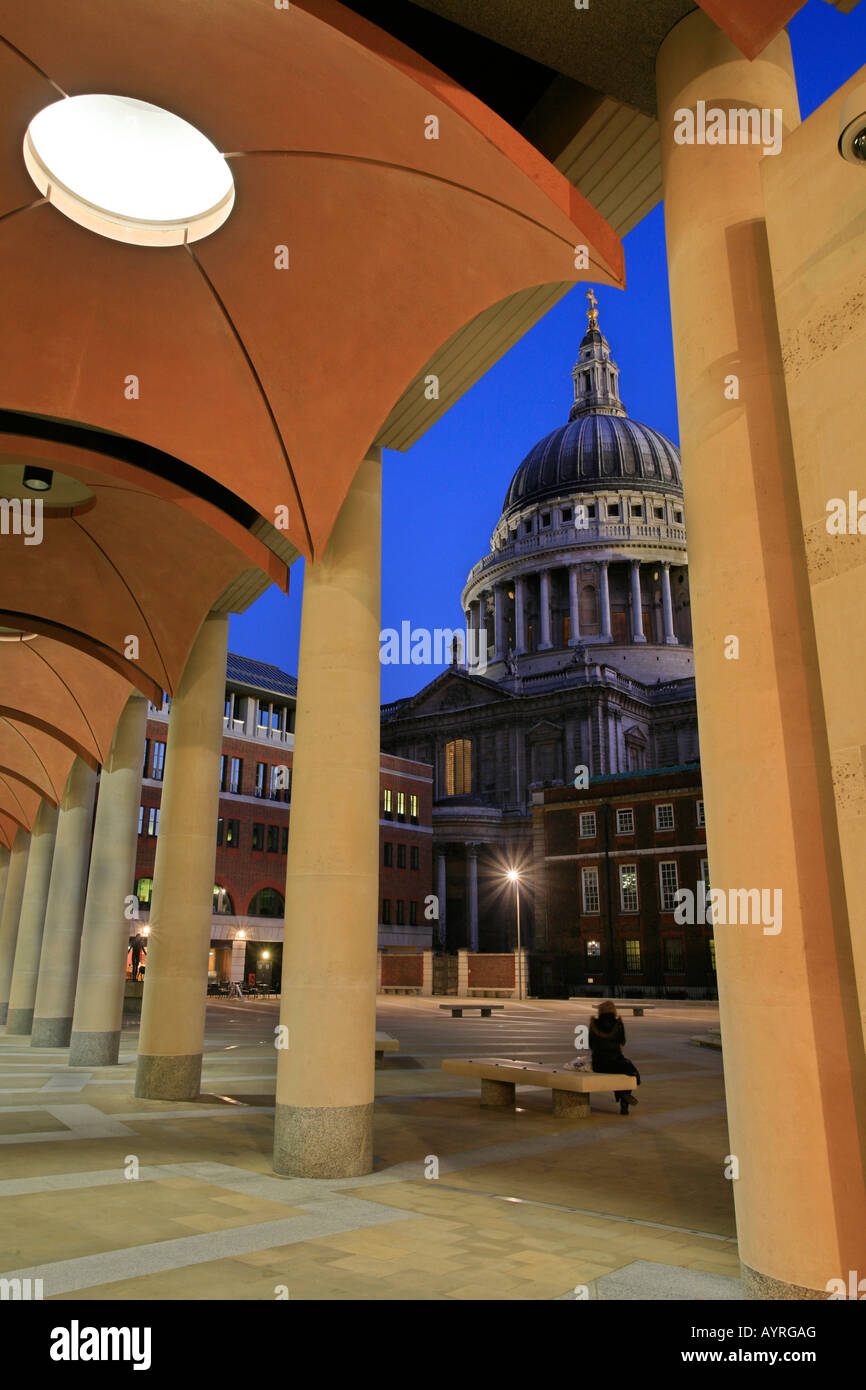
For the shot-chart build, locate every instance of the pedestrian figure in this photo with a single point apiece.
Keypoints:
(606, 1038)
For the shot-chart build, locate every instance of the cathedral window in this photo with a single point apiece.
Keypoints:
(458, 767)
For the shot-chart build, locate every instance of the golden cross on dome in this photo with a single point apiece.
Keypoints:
(592, 311)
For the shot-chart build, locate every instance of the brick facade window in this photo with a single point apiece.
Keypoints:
(669, 882)
(625, 822)
(628, 887)
(589, 891)
(665, 816)
(632, 956)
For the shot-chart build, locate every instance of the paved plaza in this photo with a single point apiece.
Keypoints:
(109, 1197)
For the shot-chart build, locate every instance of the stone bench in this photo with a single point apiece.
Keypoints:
(385, 1043)
(485, 1009)
(571, 1089)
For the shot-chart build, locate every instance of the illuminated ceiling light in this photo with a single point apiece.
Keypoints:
(38, 479)
(128, 170)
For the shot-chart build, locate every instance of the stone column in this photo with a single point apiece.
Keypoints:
(11, 913)
(637, 632)
(544, 610)
(519, 621)
(25, 971)
(799, 1197)
(98, 1015)
(441, 890)
(667, 606)
(604, 598)
(64, 913)
(472, 890)
(4, 874)
(239, 956)
(499, 622)
(574, 603)
(181, 913)
(323, 1126)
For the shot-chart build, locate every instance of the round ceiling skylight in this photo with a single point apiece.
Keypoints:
(128, 170)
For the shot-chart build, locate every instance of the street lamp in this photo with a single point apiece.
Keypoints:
(514, 876)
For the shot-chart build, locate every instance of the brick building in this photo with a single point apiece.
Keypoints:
(607, 863)
(252, 833)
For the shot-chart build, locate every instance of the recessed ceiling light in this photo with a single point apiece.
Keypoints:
(37, 479)
(128, 170)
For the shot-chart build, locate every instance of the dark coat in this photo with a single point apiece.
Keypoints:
(606, 1038)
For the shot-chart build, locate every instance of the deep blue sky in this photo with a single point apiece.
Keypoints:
(443, 497)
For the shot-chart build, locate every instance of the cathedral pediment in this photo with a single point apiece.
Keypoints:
(453, 689)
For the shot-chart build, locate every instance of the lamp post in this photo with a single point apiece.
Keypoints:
(514, 875)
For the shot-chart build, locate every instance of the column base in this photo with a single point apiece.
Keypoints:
(94, 1049)
(672, 642)
(19, 1022)
(636, 640)
(168, 1078)
(764, 1287)
(51, 1032)
(329, 1141)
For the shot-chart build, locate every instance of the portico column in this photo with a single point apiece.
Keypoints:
(4, 874)
(323, 1126)
(519, 624)
(98, 1014)
(499, 622)
(64, 913)
(799, 1197)
(604, 595)
(441, 890)
(239, 956)
(637, 632)
(181, 913)
(472, 889)
(667, 606)
(574, 603)
(25, 971)
(544, 606)
(11, 913)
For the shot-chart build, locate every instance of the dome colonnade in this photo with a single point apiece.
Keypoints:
(201, 412)
(591, 544)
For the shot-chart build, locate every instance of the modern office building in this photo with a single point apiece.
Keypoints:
(252, 831)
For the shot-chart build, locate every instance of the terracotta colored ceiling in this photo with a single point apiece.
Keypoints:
(8, 829)
(751, 24)
(55, 702)
(272, 382)
(124, 562)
